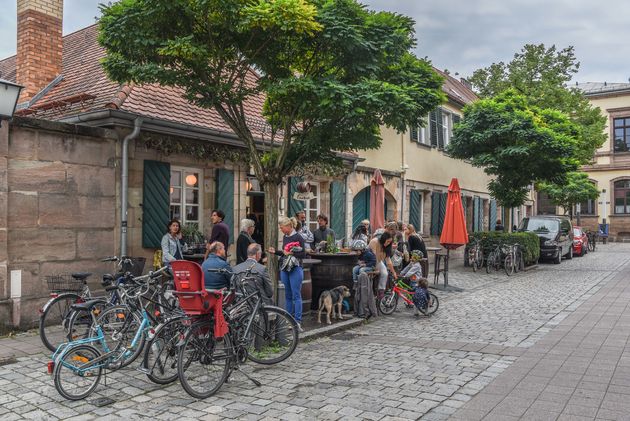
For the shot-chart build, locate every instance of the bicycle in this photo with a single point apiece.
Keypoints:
(389, 302)
(592, 240)
(513, 258)
(66, 290)
(260, 333)
(77, 366)
(475, 255)
(494, 259)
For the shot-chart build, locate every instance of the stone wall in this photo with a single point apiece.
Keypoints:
(57, 212)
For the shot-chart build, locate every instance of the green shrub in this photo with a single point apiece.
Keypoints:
(530, 243)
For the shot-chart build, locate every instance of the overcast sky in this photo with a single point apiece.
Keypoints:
(464, 35)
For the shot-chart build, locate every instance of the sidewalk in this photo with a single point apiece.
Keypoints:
(578, 371)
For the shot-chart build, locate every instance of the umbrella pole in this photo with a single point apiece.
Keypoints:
(448, 252)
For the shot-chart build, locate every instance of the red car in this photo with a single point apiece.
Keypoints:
(580, 241)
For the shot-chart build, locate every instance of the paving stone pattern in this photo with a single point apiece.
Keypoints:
(398, 367)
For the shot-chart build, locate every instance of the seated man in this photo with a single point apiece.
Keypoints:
(216, 260)
(259, 272)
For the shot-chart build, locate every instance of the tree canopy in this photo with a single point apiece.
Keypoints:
(331, 71)
(542, 75)
(576, 189)
(516, 142)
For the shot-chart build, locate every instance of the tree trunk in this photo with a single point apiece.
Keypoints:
(507, 224)
(271, 231)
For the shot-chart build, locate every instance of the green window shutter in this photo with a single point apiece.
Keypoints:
(464, 206)
(443, 197)
(480, 215)
(435, 212)
(475, 214)
(155, 202)
(433, 128)
(360, 207)
(225, 198)
(493, 215)
(440, 131)
(338, 208)
(415, 209)
(294, 206)
(414, 134)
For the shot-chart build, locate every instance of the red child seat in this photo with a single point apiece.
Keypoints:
(194, 299)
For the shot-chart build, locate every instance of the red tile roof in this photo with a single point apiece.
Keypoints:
(85, 87)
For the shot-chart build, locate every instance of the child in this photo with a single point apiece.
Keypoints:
(367, 262)
(421, 297)
(413, 271)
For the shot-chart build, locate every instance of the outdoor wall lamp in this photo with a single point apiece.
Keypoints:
(9, 94)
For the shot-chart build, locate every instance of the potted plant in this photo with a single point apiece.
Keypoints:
(193, 237)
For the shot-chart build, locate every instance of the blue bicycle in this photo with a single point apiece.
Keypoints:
(118, 338)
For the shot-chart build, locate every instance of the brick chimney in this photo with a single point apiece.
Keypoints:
(39, 44)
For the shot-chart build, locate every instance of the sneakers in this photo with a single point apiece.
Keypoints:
(299, 325)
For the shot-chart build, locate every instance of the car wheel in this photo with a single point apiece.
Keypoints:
(558, 257)
(570, 253)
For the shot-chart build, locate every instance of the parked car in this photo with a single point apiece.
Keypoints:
(580, 241)
(555, 233)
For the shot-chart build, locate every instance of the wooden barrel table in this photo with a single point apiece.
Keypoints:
(333, 271)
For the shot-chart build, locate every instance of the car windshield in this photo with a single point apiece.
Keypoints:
(577, 232)
(540, 225)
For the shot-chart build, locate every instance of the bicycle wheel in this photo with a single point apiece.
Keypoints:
(160, 354)
(490, 261)
(53, 329)
(203, 363)
(73, 377)
(479, 258)
(387, 305)
(471, 258)
(508, 264)
(120, 326)
(273, 336)
(435, 303)
(520, 263)
(80, 321)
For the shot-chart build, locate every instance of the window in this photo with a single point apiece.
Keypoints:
(312, 208)
(621, 128)
(420, 134)
(622, 197)
(446, 125)
(185, 195)
(587, 208)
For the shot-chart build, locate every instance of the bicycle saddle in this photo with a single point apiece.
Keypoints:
(86, 305)
(81, 276)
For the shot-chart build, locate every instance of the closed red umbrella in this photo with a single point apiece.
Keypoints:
(377, 201)
(454, 233)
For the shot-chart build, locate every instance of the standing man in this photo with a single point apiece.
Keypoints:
(220, 230)
(322, 232)
(306, 233)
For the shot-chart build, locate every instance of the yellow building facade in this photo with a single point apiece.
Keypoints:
(610, 169)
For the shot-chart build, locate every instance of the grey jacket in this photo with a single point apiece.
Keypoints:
(170, 246)
(263, 283)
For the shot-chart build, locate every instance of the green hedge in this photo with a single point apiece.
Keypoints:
(529, 242)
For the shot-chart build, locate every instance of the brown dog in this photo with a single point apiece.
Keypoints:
(330, 299)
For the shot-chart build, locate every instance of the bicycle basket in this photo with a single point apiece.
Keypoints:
(63, 283)
(135, 266)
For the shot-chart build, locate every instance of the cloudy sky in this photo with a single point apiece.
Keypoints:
(464, 35)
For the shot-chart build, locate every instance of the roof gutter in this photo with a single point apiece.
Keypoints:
(137, 124)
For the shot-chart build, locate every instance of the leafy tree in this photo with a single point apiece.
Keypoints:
(517, 143)
(542, 75)
(330, 73)
(577, 188)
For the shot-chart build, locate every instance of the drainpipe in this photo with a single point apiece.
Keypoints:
(137, 123)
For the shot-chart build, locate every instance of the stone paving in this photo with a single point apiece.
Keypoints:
(396, 367)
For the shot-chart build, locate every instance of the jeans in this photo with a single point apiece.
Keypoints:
(292, 282)
(358, 269)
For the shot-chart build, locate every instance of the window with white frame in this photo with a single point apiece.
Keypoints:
(421, 134)
(446, 125)
(312, 208)
(185, 193)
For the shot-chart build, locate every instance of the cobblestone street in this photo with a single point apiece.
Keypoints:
(396, 367)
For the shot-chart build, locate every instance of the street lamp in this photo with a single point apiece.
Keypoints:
(9, 94)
